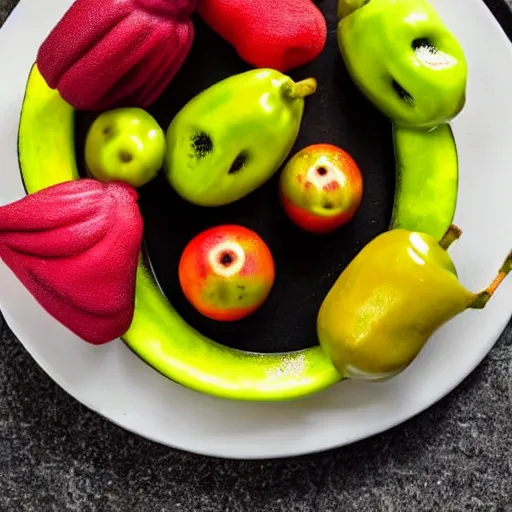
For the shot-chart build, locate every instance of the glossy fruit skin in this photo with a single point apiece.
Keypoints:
(404, 59)
(345, 7)
(41, 108)
(321, 188)
(266, 33)
(388, 302)
(111, 53)
(125, 145)
(427, 179)
(233, 137)
(227, 272)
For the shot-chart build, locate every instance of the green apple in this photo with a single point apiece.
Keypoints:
(125, 144)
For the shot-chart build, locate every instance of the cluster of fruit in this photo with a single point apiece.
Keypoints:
(214, 164)
(105, 53)
(399, 54)
(228, 272)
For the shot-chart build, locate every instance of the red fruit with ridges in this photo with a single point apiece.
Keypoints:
(111, 53)
(227, 272)
(321, 188)
(75, 247)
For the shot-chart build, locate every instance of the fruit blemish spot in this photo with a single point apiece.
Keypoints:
(423, 42)
(227, 258)
(239, 162)
(125, 157)
(332, 185)
(202, 144)
(402, 93)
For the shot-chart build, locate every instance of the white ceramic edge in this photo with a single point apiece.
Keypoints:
(355, 400)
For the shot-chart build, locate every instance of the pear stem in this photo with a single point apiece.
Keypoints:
(346, 7)
(452, 234)
(483, 297)
(297, 90)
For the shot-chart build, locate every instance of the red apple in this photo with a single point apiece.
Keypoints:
(227, 272)
(321, 188)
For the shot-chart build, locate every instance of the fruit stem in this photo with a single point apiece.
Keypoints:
(297, 90)
(452, 234)
(346, 7)
(483, 297)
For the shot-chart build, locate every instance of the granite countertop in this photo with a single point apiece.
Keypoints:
(56, 455)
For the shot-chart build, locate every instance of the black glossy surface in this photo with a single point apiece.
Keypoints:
(306, 265)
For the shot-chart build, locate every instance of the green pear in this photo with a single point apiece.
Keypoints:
(385, 306)
(233, 137)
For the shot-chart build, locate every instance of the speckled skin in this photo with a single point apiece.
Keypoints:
(72, 243)
(133, 50)
(275, 34)
(321, 188)
(59, 456)
(230, 291)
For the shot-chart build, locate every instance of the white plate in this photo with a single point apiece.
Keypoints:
(112, 381)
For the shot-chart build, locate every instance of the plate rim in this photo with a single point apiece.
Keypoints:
(17, 330)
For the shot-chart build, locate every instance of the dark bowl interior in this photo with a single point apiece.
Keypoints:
(306, 265)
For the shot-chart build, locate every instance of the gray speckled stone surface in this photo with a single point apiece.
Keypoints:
(56, 455)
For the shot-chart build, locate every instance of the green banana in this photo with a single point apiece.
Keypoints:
(43, 110)
(426, 179)
(158, 334)
(165, 341)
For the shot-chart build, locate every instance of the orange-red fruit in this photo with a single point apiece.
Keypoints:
(321, 188)
(227, 272)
